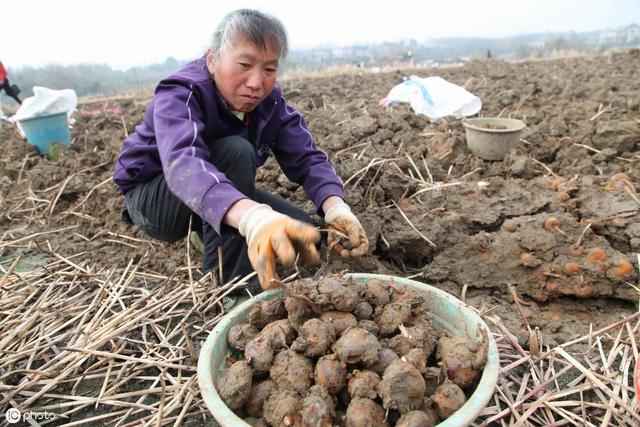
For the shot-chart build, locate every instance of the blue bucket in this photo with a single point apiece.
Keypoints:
(42, 131)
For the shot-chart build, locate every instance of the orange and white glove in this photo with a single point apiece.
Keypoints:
(271, 234)
(346, 235)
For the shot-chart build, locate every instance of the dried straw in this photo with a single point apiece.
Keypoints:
(120, 340)
(582, 388)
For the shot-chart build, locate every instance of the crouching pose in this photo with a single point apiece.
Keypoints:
(193, 159)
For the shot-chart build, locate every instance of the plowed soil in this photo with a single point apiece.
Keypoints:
(558, 218)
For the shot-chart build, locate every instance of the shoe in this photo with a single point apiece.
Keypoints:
(196, 241)
(232, 301)
(253, 286)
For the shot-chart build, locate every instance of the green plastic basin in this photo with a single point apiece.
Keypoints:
(446, 311)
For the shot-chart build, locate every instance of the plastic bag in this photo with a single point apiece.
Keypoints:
(47, 101)
(434, 97)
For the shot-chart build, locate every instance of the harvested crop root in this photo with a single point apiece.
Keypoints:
(448, 398)
(416, 419)
(234, 384)
(259, 393)
(259, 352)
(266, 312)
(329, 293)
(386, 356)
(365, 413)
(340, 320)
(282, 409)
(331, 373)
(357, 345)
(377, 292)
(239, 335)
(343, 353)
(418, 359)
(462, 359)
(315, 338)
(291, 370)
(363, 311)
(370, 326)
(260, 349)
(402, 387)
(298, 311)
(363, 384)
(318, 408)
(393, 315)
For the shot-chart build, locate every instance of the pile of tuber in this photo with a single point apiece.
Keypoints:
(337, 352)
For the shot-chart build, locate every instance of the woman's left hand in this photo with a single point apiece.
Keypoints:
(346, 235)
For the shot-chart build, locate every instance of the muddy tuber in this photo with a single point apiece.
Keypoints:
(318, 408)
(240, 334)
(365, 413)
(415, 419)
(402, 387)
(393, 315)
(386, 356)
(260, 349)
(315, 338)
(331, 373)
(340, 320)
(328, 293)
(418, 359)
(363, 384)
(363, 311)
(298, 311)
(234, 385)
(357, 345)
(282, 409)
(292, 371)
(462, 359)
(377, 292)
(334, 352)
(370, 326)
(266, 312)
(448, 398)
(259, 393)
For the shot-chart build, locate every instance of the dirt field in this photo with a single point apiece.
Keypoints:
(411, 182)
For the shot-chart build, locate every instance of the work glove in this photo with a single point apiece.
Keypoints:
(346, 235)
(271, 234)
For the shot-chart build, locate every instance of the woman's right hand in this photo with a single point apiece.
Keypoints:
(272, 235)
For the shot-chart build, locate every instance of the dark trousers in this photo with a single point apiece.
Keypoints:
(11, 90)
(158, 212)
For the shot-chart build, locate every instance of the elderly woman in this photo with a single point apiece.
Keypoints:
(193, 159)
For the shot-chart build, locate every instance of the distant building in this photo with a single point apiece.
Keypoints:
(633, 33)
(454, 50)
(620, 36)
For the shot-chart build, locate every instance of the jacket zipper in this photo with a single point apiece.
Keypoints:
(263, 123)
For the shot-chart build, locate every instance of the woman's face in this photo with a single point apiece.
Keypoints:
(244, 74)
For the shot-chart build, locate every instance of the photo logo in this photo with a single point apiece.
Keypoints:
(13, 415)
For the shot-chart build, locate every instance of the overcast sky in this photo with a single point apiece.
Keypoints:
(126, 33)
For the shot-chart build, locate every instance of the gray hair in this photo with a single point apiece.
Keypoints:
(255, 26)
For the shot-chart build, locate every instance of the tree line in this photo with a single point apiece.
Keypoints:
(101, 79)
(92, 79)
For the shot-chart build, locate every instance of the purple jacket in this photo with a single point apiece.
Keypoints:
(187, 113)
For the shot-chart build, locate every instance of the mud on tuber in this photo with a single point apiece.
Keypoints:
(338, 352)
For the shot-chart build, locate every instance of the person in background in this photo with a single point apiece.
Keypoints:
(12, 90)
(193, 160)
